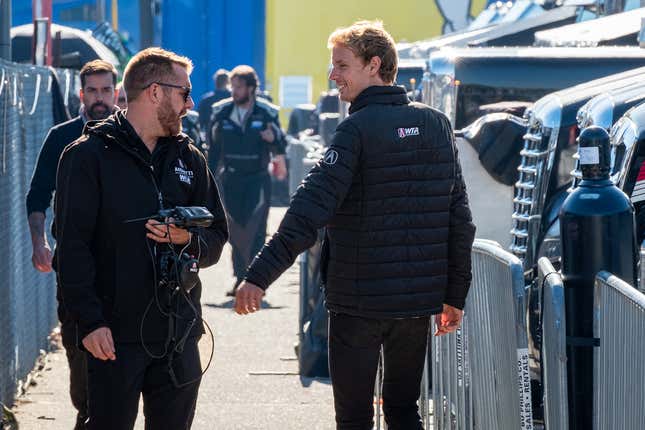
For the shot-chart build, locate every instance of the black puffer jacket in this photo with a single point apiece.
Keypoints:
(105, 270)
(390, 191)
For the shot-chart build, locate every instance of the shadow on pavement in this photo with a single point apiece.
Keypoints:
(306, 382)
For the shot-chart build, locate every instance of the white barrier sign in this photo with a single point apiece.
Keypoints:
(295, 90)
(524, 386)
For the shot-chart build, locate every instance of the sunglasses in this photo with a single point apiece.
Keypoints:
(187, 90)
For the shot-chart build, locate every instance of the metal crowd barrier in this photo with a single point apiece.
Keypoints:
(554, 347)
(619, 370)
(641, 273)
(27, 297)
(302, 154)
(480, 374)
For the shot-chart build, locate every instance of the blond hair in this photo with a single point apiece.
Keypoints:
(368, 39)
(148, 66)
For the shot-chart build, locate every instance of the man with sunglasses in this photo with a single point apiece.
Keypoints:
(245, 136)
(140, 335)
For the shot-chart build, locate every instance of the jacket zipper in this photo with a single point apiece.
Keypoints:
(154, 182)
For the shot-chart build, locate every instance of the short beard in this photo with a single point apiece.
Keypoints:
(169, 120)
(97, 116)
(242, 101)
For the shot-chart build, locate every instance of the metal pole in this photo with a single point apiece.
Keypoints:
(5, 29)
(43, 9)
(100, 11)
(145, 23)
(115, 15)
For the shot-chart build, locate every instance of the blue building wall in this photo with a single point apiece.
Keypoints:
(129, 22)
(215, 34)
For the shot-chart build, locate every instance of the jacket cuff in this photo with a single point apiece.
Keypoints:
(455, 302)
(256, 280)
(85, 328)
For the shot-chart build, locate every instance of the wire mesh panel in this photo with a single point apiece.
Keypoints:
(452, 406)
(480, 373)
(619, 370)
(9, 133)
(27, 297)
(554, 352)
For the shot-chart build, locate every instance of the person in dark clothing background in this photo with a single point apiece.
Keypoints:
(222, 91)
(139, 333)
(399, 232)
(245, 137)
(98, 94)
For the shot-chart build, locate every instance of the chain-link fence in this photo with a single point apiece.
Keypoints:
(30, 101)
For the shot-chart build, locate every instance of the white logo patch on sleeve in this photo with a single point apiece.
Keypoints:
(404, 132)
(331, 156)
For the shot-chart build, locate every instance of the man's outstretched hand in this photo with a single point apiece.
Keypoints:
(248, 298)
(448, 320)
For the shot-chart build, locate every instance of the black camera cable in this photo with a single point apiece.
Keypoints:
(179, 346)
(174, 317)
(155, 300)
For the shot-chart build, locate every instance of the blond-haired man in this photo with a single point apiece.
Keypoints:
(390, 193)
(139, 334)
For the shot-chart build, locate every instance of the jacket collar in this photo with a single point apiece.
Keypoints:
(380, 94)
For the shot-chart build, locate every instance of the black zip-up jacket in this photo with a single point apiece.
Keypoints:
(43, 181)
(389, 190)
(104, 265)
(241, 150)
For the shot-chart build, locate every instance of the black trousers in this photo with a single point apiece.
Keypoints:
(246, 200)
(354, 349)
(77, 362)
(115, 387)
(241, 261)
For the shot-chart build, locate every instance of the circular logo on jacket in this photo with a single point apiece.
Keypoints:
(331, 156)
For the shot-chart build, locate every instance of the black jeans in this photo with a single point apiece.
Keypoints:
(77, 371)
(115, 387)
(354, 348)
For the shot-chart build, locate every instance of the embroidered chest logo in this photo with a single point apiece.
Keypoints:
(409, 131)
(183, 173)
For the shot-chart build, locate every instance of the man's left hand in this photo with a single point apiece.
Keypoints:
(449, 320)
(279, 167)
(248, 298)
(267, 134)
(167, 233)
